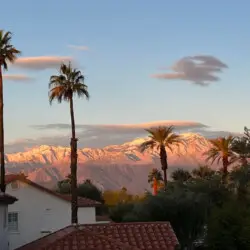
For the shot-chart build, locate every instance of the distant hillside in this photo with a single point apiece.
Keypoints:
(111, 167)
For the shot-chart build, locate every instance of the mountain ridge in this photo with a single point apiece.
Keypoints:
(111, 167)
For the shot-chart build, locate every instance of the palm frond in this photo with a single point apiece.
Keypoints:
(155, 174)
(67, 84)
(147, 145)
(8, 53)
(59, 94)
(220, 148)
(164, 136)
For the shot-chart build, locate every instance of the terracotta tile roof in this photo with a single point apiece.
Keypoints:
(82, 202)
(111, 236)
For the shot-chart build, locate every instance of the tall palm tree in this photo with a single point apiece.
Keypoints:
(155, 179)
(8, 54)
(221, 151)
(64, 87)
(162, 138)
(181, 175)
(203, 172)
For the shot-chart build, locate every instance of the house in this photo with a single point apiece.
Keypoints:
(40, 211)
(5, 201)
(111, 236)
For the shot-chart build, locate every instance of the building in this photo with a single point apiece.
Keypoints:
(40, 211)
(5, 201)
(112, 236)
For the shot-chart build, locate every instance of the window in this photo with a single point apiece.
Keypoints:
(5, 217)
(13, 221)
(14, 185)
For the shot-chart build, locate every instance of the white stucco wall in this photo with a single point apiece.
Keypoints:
(3, 229)
(39, 211)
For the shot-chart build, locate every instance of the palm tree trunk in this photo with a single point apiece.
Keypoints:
(3, 186)
(164, 165)
(73, 167)
(155, 186)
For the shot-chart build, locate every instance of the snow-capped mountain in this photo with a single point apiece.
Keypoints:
(111, 167)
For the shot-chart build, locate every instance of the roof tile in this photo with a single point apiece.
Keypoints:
(112, 236)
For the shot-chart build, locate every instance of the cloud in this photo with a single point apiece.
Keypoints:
(17, 77)
(99, 136)
(199, 70)
(41, 62)
(121, 128)
(79, 47)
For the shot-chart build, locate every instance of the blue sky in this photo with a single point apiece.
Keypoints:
(129, 41)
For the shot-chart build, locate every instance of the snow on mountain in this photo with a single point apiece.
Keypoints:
(111, 167)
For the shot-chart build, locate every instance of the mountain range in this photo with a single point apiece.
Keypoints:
(111, 167)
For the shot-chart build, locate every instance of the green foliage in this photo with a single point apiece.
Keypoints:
(121, 211)
(203, 172)
(240, 182)
(63, 187)
(86, 189)
(112, 198)
(186, 211)
(89, 190)
(202, 202)
(214, 190)
(229, 228)
(181, 175)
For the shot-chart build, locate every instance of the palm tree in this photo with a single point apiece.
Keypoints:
(64, 87)
(203, 172)
(155, 174)
(221, 151)
(8, 54)
(181, 175)
(161, 138)
(241, 147)
(155, 179)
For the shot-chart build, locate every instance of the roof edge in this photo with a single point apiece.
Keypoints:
(24, 179)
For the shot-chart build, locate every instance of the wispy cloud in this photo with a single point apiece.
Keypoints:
(199, 70)
(79, 47)
(122, 128)
(17, 78)
(41, 62)
(99, 136)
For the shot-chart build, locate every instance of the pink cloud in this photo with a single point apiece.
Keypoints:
(169, 76)
(153, 124)
(41, 62)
